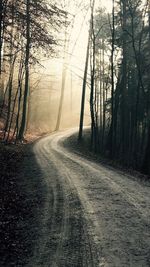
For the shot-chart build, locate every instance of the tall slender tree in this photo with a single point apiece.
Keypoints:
(27, 57)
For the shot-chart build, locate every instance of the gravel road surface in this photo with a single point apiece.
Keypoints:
(93, 215)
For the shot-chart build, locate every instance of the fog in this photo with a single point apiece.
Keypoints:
(44, 101)
(46, 81)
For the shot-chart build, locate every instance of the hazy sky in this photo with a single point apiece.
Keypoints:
(52, 73)
(80, 34)
(107, 4)
(78, 43)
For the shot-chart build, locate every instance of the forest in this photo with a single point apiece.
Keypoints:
(115, 79)
(74, 133)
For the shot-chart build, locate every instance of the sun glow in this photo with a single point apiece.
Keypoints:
(73, 58)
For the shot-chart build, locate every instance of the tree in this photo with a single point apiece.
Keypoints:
(120, 107)
(84, 90)
(68, 30)
(146, 160)
(25, 39)
(27, 56)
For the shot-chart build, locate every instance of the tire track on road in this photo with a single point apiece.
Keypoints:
(103, 215)
(66, 234)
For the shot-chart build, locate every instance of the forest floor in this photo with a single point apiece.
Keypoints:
(33, 215)
(60, 208)
(20, 199)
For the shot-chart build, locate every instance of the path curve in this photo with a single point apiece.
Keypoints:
(94, 215)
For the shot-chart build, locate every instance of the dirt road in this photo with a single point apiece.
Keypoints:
(93, 215)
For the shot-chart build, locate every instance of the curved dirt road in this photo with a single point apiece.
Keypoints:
(93, 216)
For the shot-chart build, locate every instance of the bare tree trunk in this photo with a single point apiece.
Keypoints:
(12, 65)
(100, 96)
(20, 79)
(124, 87)
(1, 40)
(93, 124)
(11, 71)
(84, 91)
(12, 115)
(26, 91)
(61, 96)
(112, 82)
(104, 108)
(146, 160)
(110, 140)
(63, 83)
(1, 45)
(3, 7)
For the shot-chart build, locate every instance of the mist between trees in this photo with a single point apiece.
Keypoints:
(27, 30)
(115, 81)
